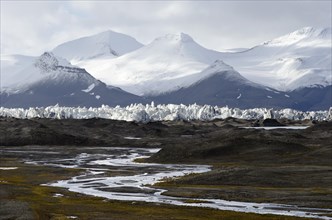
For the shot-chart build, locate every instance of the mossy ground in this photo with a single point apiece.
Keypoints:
(23, 186)
(248, 183)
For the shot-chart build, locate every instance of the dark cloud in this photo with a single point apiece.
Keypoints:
(30, 27)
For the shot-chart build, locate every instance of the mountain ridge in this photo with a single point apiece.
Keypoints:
(167, 57)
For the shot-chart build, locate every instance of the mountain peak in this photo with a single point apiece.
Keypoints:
(220, 65)
(108, 35)
(108, 31)
(304, 33)
(47, 62)
(176, 37)
(107, 43)
(311, 32)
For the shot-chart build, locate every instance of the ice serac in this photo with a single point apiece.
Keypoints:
(50, 80)
(147, 113)
(108, 44)
(163, 65)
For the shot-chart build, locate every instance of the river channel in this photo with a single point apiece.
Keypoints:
(112, 173)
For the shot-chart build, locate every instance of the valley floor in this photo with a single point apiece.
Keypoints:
(275, 166)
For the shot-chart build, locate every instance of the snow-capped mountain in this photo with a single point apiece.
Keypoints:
(108, 44)
(293, 61)
(24, 71)
(161, 66)
(222, 85)
(297, 60)
(50, 80)
(292, 71)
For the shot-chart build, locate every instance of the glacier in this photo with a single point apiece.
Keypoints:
(170, 112)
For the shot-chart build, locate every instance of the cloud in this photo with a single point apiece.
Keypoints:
(31, 27)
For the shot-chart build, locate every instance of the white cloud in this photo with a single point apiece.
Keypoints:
(30, 27)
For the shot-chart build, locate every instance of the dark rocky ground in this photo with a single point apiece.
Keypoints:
(280, 166)
(103, 132)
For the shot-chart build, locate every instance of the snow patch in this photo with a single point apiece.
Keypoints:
(8, 168)
(57, 195)
(279, 127)
(132, 138)
(91, 87)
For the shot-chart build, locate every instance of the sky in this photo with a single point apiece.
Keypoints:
(32, 27)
